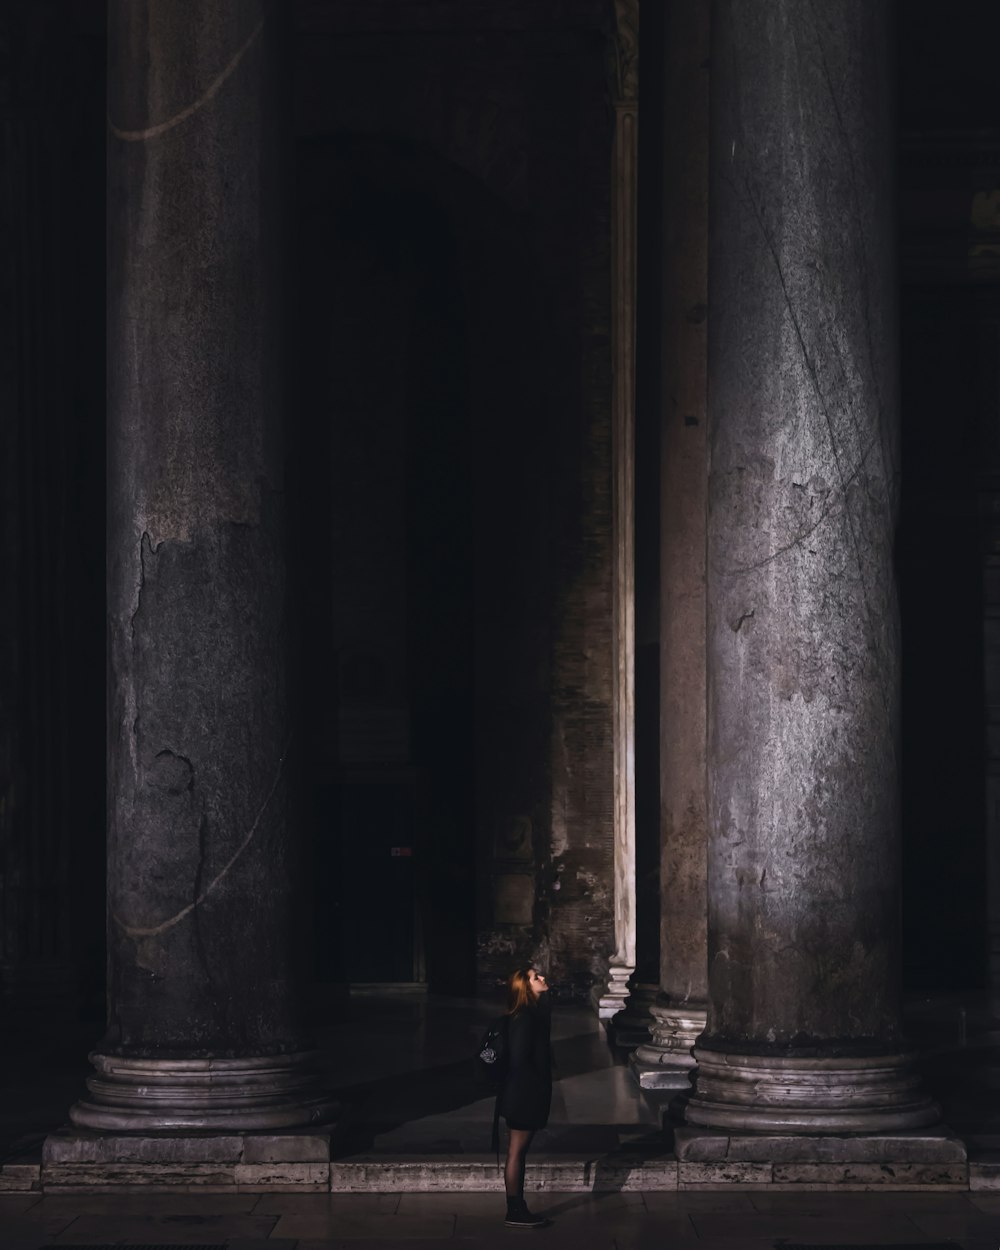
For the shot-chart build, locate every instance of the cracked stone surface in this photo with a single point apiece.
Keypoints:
(802, 618)
(199, 864)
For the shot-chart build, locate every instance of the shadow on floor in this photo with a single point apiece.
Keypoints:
(416, 1090)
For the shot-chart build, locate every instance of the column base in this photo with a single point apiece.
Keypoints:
(135, 1095)
(614, 996)
(667, 1061)
(630, 1027)
(808, 1095)
(905, 1160)
(659, 1075)
(75, 1160)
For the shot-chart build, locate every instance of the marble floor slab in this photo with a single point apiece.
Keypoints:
(439, 1226)
(321, 1204)
(626, 1221)
(949, 1225)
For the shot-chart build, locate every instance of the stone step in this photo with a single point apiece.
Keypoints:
(17, 1178)
(78, 1160)
(374, 1173)
(984, 1170)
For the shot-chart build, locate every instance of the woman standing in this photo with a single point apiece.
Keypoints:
(527, 1089)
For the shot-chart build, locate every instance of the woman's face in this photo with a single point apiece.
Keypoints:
(536, 982)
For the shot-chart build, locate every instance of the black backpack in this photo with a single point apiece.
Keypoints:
(492, 1058)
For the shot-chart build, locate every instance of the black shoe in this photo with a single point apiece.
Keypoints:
(518, 1215)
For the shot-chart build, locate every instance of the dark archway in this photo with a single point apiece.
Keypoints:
(416, 523)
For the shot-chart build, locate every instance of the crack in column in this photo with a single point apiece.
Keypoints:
(862, 251)
(152, 132)
(142, 931)
(810, 368)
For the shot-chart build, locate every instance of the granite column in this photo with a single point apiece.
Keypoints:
(803, 1031)
(202, 1022)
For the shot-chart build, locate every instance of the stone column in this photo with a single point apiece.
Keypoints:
(803, 1030)
(623, 216)
(202, 1025)
(678, 1015)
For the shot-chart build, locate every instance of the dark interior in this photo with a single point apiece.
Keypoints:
(434, 336)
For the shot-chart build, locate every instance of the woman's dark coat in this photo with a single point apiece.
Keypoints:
(527, 1091)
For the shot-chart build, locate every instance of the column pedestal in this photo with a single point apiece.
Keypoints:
(134, 1095)
(220, 1160)
(667, 1060)
(899, 1160)
(820, 1094)
(613, 996)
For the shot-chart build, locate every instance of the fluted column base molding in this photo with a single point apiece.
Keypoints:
(130, 1094)
(814, 1095)
(667, 1061)
(614, 995)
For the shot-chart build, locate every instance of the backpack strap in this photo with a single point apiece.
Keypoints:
(503, 1027)
(495, 1139)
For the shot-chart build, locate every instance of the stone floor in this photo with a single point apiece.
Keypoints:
(633, 1221)
(401, 1067)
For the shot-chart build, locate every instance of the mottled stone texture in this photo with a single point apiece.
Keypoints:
(199, 869)
(802, 622)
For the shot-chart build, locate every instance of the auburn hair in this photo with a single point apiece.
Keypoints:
(519, 993)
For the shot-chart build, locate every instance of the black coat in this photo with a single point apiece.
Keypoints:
(527, 1091)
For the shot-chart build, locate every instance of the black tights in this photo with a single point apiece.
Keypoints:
(518, 1141)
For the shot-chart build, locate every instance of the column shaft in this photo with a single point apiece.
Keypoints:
(678, 1017)
(202, 1027)
(623, 223)
(803, 871)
